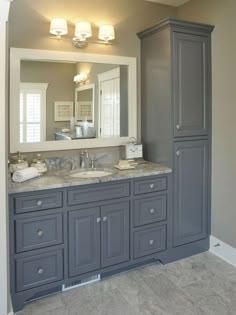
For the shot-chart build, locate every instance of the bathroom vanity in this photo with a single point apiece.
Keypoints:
(63, 229)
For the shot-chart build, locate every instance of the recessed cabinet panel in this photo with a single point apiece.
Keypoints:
(35, 202)
(190, 196)
(191, 90)
(144, 186)
(37, 232)
(101, 192)
(84, 241)
(115, 233)
(149, 241)
(150, 210)
(38, 270)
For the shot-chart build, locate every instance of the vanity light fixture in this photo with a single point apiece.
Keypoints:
(80, 78)
(106, 33)
(58, 27)
(83, 30)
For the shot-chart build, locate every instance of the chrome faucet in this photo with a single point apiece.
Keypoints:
(93, 160)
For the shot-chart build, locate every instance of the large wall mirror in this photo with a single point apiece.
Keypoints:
(65, 100)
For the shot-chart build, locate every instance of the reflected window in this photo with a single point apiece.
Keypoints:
(32, 112)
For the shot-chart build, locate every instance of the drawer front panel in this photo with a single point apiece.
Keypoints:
(98, 193)
(150, 185)
(38, 232)
(38, 270)
(34, 202)
(150, 210)
(149, 241)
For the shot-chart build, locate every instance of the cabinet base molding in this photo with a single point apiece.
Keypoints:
(187, 250)
(223, 250)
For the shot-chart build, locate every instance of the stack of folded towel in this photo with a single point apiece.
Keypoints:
(25, 174)
(125, 164)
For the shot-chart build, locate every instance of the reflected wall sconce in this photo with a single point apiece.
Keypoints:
(80, 78)
(83, 30)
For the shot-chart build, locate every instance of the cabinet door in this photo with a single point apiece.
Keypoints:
(190, 196)
(115, 233)
(84, 241)
(191, 84)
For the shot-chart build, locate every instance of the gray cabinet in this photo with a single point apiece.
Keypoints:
(85, 230)
(150, 210)
(98, 237)
(191, 84)
(176, 86)
(191, 191)
(115, 233)
(37, 270)
(149, 241)
(37, 232)
(176, 121)
(84, 241)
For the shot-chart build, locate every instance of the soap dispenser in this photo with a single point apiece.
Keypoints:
(17, 163)
(40, 164)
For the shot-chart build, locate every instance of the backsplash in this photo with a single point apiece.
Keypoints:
(57, 160)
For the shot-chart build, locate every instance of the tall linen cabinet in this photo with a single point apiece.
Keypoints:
(176, 123)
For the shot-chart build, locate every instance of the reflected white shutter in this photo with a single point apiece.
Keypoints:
(32, 108)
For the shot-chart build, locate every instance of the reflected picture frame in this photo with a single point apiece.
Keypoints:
(63, 111)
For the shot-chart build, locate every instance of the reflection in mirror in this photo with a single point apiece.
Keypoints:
(54, 107)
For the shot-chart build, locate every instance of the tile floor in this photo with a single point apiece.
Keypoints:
(201, 285)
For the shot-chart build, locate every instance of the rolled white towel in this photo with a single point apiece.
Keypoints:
(25, 174)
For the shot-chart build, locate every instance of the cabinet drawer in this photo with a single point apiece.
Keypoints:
(38, 232)
(38, 270)
(100, 192)
(144, 186)
(149, 241)
(149, 210)
(34, 202)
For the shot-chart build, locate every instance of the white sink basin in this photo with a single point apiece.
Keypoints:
(91, 173)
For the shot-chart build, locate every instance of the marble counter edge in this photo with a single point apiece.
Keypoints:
(56, 181)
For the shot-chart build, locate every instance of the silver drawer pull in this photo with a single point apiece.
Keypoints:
(39, 203)
(40, 232)
(151, 242)
(104, 219)
(178, 153)
(151, 186)
(152, 210)
(40, 271)
(178, 126)
(98, 220)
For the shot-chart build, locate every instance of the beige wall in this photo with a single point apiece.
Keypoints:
(29, 24)
(222, 15)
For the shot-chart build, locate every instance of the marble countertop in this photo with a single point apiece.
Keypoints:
(62, 179)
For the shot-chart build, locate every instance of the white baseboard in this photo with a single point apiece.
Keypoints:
(10, 308)
(223, 250)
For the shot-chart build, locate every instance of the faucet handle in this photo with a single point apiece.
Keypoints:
(92, 162)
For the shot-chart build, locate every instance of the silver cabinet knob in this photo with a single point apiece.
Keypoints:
(98, 220)
(39, 203)
(178, 126)
(104, 219)
(151, 242)
(151, 186)
(40, 271)
(152, 210)
(178, 153)
(40, 232)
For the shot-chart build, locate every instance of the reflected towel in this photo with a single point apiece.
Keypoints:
(25, 174)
